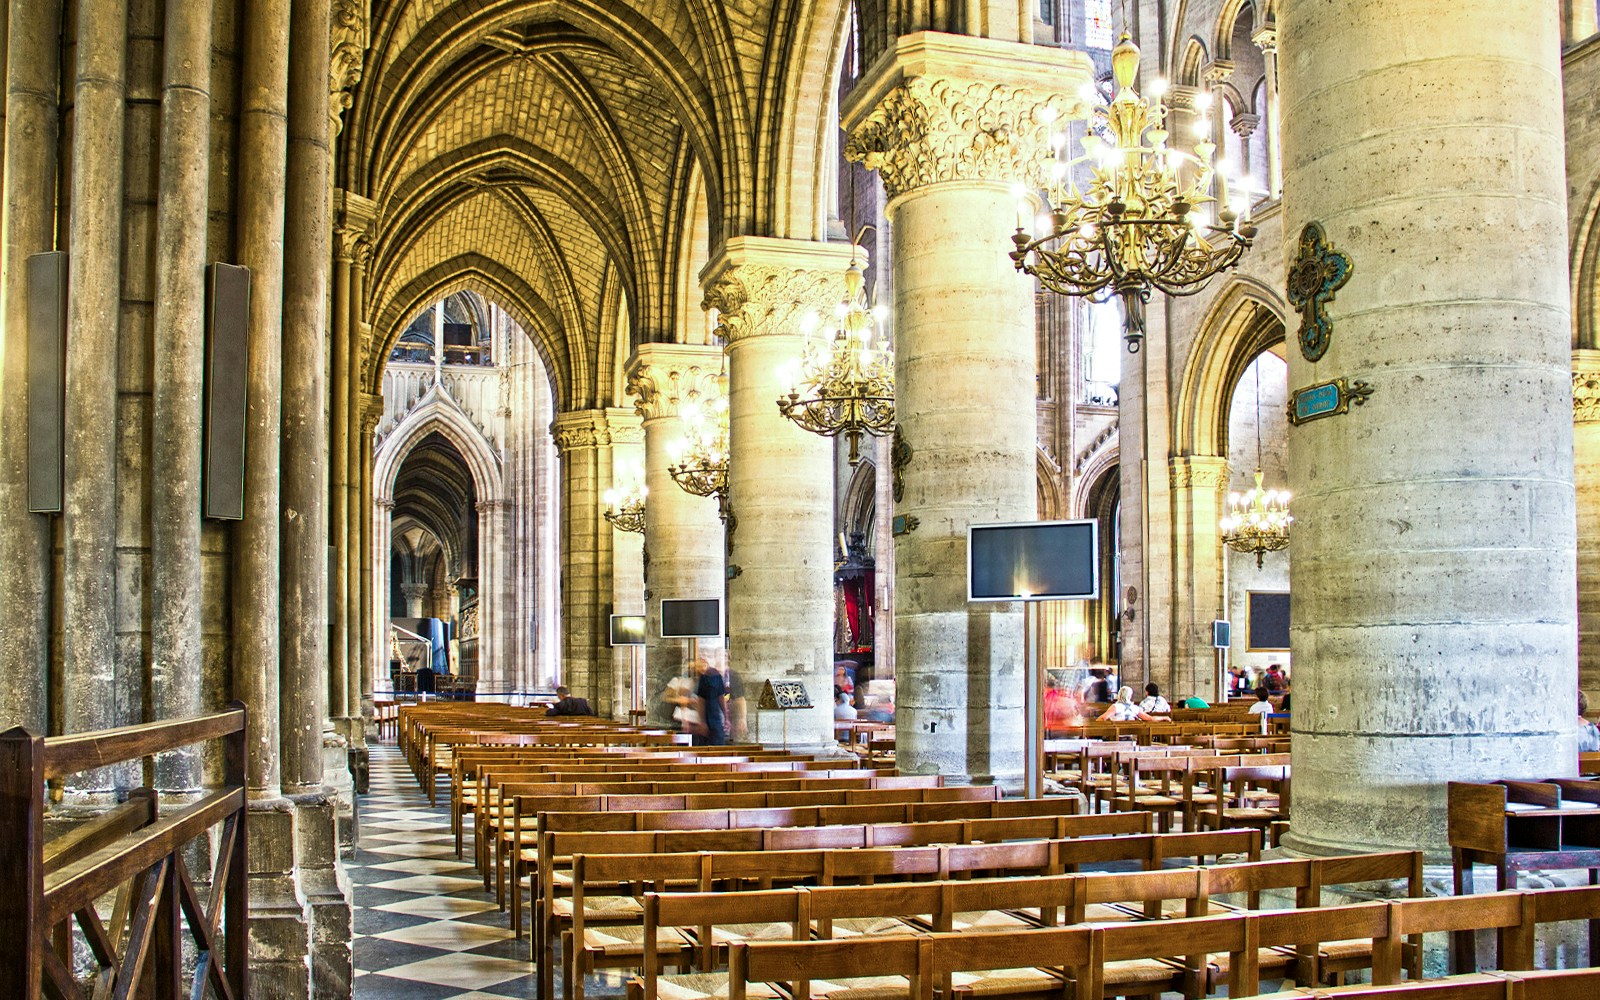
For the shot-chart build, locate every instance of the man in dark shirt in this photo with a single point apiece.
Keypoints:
(568, 705)
(713, 694)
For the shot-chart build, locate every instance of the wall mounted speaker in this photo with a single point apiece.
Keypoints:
(47, 379)
(227, 368)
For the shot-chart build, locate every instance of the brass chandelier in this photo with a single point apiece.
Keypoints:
(700, 461)
(625, 506)
(1144, 220)
(845, 382)
(1258, 519)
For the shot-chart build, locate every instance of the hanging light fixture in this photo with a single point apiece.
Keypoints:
(1144, 220)
(1258, 519)
(845, 381)
(700, 461)
(625, 505)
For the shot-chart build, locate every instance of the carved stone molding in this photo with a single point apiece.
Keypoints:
(492, 506)
(1217, 71)
(1244, 124)
(1199, 471)
(1586, 386)
(765, 288)
(1266, 38)
(351, 245)
(580, 430)
(384, 503)
(929, 130)
(662, 377)
(1181, 98)
(347, 56)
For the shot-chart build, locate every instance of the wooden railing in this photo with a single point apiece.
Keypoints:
(49, 887)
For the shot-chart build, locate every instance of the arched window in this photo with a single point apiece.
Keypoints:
(1102, 353)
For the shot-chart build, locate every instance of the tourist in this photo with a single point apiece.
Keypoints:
(711, 691)
(843, 711)
(1099, 688)
(1194, 701)
(568, 705)
(1263, 705)
(1588, 734)
(1153, 702)
(1124, 710)
(1238, 683)
(1275, 681)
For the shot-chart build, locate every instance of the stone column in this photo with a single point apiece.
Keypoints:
(369, 569)
(304, 455)
(88, 559)
(1586, 479)
(178, 382)
(584, 441)
(950, 124)
(383, 587)
(32, 83)
(342, 426)
(780, 590)
(627, 555)
(1199, 483)
(491, 538)
(1433, 560)
(683, 553)
(1266, 39)
(414, 593)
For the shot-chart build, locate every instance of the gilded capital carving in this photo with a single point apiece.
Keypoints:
(663, 377)
(767, 299)
(1199, 471)
(1585, 386)
(347, 55)
(927, 130)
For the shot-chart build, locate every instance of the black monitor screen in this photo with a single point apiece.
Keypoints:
(1037, 560)
(691, 619)
(627, 630)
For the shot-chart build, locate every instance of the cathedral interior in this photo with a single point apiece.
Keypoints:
(377, 376)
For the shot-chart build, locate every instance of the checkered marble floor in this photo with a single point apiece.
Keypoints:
(425, 929)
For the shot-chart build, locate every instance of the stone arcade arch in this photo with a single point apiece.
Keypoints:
(437, 413)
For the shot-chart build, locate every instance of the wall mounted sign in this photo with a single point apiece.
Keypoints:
(1326, 399)
(1317, 272)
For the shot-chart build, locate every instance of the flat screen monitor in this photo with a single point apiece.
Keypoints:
(691, 619)
(1034, 561)
(627, 630)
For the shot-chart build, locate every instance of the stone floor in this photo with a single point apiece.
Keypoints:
(425, 929)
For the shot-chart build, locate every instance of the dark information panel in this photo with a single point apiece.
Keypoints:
(1269, 620)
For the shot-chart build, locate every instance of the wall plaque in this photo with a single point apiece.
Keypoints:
(1326, 399)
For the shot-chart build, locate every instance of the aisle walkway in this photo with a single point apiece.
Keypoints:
(424, 927)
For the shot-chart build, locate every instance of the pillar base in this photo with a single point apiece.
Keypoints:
(279, 922)
(327, 892)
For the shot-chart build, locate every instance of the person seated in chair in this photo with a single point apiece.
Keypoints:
(568, 705)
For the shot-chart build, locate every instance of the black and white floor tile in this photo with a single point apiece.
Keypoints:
(425, 929)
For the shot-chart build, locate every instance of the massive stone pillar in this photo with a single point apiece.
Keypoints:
(1199, 483)
(1586, 481)
(28, 227)
(627, 558)
(683, 538)
(950, 124)
(1433, 561)
(584, 440)
(88, 560)
(780, 587)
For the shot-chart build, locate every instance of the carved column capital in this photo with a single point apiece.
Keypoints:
(953, 108)
(580, 430)
(1217, 71)
(1585, 386)
(1244, 124)
(1180, 97)
(763, 287)
(1266, 38)
(1198, 472)
(347, 56)
(662, 377)
(384, 503)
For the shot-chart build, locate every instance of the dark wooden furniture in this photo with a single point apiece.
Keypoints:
(1516, 826)
(134, 849)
